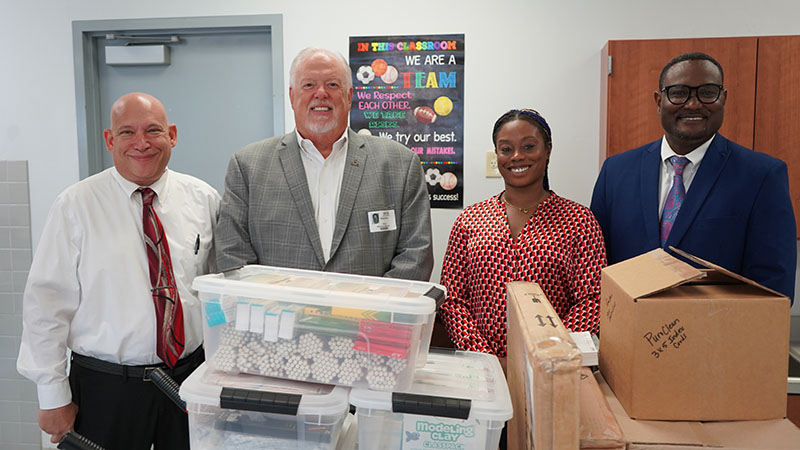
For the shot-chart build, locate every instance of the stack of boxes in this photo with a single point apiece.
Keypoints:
(284, 347)
(694, 357)
(688, 358)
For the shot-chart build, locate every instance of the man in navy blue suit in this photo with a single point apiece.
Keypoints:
(697, 191)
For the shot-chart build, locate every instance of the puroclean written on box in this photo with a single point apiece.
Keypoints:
(680, 343)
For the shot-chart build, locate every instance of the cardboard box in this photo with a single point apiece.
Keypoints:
(663, 435)
(543, 373)
(679, 343)
(598, 425)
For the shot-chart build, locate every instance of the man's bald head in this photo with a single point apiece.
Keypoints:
(140, 138)
(145, 100)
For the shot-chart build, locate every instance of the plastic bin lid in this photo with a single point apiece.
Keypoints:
(474, 376)
(325, 289)
(204, 386)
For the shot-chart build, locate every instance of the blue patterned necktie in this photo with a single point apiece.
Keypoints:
(675, 197)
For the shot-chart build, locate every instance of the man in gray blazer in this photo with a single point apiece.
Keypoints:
(323, 197)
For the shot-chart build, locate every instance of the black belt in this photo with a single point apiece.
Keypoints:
(141, 372)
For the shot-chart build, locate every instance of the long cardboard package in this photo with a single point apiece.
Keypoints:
(780, 434)
(543, 365)
(680, 343)
(569, 410)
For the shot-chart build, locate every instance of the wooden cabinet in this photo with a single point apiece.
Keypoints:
(777, 118)
(761, 74)
(793, 408)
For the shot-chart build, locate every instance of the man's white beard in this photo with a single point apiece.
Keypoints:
(321, 127)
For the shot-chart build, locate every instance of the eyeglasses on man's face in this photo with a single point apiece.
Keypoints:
(678, 94)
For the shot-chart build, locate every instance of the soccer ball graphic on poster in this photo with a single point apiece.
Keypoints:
(365, 74)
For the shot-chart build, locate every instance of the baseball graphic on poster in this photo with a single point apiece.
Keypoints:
(448, 181)
(390, 76)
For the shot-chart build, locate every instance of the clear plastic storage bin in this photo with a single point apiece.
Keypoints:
(243, 412)
(323, 327)
(458, 401)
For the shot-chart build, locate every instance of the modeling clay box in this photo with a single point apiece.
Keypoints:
(240, 412)
(321, 327)
(459, 400)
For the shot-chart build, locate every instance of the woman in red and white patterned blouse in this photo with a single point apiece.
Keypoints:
(525, 233)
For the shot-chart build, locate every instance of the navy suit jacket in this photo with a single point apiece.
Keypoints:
(737, 213)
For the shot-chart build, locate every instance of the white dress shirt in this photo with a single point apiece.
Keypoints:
(666, 173)
(324, 177)
(89, 287)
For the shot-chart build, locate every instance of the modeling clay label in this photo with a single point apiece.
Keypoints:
(426, 432)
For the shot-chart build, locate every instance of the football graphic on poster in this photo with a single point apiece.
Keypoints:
(424, 114)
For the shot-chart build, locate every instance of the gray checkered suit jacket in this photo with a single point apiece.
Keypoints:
(267, 216)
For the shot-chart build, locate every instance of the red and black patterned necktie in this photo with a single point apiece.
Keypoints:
(169, 312)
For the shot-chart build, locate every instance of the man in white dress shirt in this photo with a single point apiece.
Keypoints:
(89, 290)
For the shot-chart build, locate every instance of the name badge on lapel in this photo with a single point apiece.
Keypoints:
(381, 221)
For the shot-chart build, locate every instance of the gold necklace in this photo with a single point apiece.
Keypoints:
(522, 210)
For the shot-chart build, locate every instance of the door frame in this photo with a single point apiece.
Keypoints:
(87, 96)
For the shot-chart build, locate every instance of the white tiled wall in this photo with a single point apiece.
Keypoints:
(18, 406)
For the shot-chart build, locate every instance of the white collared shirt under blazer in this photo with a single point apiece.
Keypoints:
(324, 177)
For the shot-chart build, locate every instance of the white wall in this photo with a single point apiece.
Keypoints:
(529, 53)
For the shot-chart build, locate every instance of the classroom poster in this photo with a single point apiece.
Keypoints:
(411, 89)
